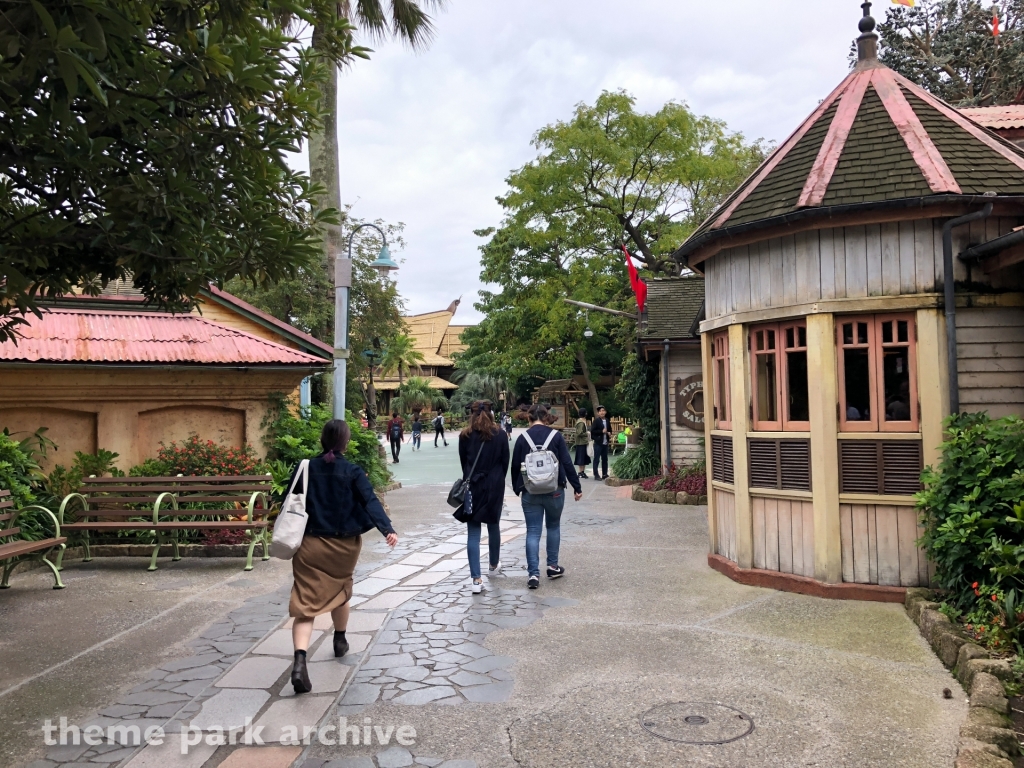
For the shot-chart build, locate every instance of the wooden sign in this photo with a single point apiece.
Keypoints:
(690, 402)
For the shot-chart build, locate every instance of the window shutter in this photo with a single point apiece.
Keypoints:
(795, 465)
(764, 463)
(890, 467)
(858, 466)
(901, 465)
(721, 459)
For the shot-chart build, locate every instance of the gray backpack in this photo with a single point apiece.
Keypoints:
(541, 475)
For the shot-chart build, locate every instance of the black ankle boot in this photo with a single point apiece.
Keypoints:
(300, 675)
(340, 644)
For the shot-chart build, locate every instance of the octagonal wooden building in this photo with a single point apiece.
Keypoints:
(861, 285)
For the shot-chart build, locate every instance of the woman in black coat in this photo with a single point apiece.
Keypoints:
(486, 486)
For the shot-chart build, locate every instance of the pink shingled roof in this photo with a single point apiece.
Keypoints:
(1009, 116)
(108, 336)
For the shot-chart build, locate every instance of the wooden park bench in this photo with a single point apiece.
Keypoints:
(163, 505)
(15, 549)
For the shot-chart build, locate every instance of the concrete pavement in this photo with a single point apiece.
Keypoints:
(558, 676)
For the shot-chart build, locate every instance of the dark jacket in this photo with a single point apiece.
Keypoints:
(566, 471)
(340, 500)
(597, 430)
(487, 485)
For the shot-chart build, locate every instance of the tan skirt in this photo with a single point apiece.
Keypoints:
(323, 569)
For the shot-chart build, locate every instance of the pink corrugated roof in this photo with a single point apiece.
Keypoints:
(107, 336)
(1009, 116)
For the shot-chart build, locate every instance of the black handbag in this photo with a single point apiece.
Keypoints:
(457, 495)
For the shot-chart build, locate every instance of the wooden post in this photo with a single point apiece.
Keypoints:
(739, 375)
(707, 366)
(932, 381)
(823, 389)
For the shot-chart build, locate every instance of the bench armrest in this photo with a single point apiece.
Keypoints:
(159, 502)
(53, 517)
(251, 508)
(69, 499)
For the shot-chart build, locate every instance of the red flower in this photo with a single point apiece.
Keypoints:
(994, 599)
(974, 585)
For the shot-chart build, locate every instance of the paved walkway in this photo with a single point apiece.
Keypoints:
(575, 673)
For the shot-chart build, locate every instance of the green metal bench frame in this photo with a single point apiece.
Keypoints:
(167, 530)
(10, 534)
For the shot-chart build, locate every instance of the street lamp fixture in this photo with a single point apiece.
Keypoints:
(588, 333)
(384, 262)
(342, 283)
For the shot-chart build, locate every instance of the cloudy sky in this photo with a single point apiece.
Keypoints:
(427, 138)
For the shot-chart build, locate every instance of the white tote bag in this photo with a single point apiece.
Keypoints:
(290, 525)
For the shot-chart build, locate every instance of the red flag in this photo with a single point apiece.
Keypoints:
(995, 25)
(639, 286)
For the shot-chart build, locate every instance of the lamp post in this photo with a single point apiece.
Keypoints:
(342, 283)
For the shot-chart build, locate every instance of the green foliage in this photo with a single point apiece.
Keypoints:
(292, 437)
(99, 464)
(19, 471)
(475, 386)
(400, 356)
(607, 174)
(147, 140)
(416, 394)
(973, 509)
(947, 47)
(638, 389)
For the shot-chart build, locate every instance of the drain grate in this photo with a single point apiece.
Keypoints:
(697, 722)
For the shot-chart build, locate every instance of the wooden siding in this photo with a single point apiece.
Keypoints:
(725, 519)
(686, 447)
(892, 259)
(783, 535)
(879, 545)
(990, 359)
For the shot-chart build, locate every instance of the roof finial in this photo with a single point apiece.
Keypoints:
(867, 43)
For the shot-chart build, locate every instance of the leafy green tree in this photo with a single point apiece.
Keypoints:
(609, 174)
(947, 47)
(400, 356)
(475, 386)
(146, 140)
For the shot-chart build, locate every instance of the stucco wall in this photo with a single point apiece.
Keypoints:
(131, 410)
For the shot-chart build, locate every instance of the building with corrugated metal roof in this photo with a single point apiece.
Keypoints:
(113, 373)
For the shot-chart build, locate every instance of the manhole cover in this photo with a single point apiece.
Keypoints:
(697, 722)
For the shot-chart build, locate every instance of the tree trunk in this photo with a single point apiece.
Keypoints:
(582, 360)
(370, 398)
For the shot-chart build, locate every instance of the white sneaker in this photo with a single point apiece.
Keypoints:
(495, 570)
(478, 587)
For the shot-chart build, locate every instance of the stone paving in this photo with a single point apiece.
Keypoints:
(415, 637)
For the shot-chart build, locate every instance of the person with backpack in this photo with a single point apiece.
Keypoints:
(417, 431)
(484, 465)
(581, 443)
(396, 433)
(439, 428)
(541, 468)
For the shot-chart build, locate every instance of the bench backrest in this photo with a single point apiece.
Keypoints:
(6, 515)
(121, 496)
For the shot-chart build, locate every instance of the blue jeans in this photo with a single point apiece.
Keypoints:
(416, 439)
(544, 508)
(473, 546)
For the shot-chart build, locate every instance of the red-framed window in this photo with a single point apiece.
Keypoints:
(877, 362)
(720, 379)
(778, 361)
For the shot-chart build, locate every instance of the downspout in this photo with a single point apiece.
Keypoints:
(666, 456)
(950, 300)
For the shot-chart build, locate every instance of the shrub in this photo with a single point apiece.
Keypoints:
(973, 509)
(196, 457)
(292, 437)
(691, 479)
(638, 390)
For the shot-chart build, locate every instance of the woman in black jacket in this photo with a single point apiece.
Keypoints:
(486, 486)
(341, 506)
